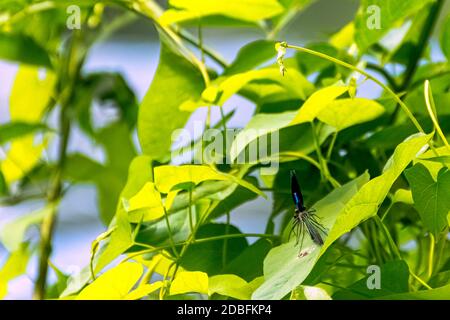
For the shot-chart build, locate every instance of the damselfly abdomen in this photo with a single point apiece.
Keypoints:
(304, 221)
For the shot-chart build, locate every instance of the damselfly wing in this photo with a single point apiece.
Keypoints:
(305, 221)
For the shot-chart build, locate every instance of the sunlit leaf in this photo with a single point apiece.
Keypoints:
(143, 290)
(24, 153)
(345, 113)
(345, 37)
(15, 265)
(147, 199)
(230, 285)
(317, 102)
(114, 284)
(190, 281)
(247, 10)
(168, 177)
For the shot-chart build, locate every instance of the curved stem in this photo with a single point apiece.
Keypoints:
(364, 73)
(385, 74)
(429, 101)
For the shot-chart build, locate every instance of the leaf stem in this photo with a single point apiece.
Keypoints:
(332, 143)
(169, 230)
(431, 256)
(191, 222)
(431, 107)
(225, 241)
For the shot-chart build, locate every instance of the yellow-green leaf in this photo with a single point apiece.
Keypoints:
(244, 10)
(317, 102)
(149, 203)
(345, 113)
(143, 290)
(168, 177)
(345, 37)
(14, 266)
(30, 95)
(230, 285)
(190, 281)
(114, 284)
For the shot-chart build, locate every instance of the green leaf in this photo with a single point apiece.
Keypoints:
(110, 177)
(188, 282)
(15, 265)
(284, 270)
(249, 264)
(251, 56)
(207, 256)
(430, 196)
(310, 64)
(442, 293)
(317, 102)
(345, 113)
(13, 130)
(445, 38)
(390, 12)
(23, 49)
(12, 234)
(176, 80)
(114, 284)
(240, 196)
(394, 276)
(246, 10)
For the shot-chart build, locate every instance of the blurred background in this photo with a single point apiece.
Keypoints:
(133, 51)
